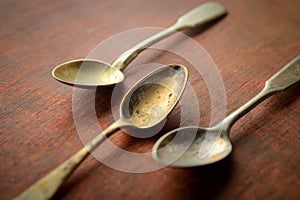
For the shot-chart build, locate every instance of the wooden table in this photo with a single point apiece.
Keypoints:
(37, 125)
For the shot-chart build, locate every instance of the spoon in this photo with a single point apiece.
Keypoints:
(145, 105)
(195, 146)
(89, 72)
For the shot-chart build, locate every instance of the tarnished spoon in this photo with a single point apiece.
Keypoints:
(145, 105)
(87, 72)
(196, 146)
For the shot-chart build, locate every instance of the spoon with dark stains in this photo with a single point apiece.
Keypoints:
(88, 72)
(196, 146)
(145, 105)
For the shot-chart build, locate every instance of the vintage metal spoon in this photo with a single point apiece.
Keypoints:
(146, 104)
(95, 72)
(196, 146)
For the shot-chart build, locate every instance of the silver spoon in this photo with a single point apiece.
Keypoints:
(196, 146)
(98, 73)
(145, 105)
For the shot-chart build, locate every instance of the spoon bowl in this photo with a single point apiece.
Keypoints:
(150, 100)
(196, 146)
(192, 146)
(88, 72)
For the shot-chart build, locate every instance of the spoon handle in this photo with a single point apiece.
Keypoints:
(198, 16)
(47, 186)
(285, 78)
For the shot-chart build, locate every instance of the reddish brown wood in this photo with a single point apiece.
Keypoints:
(37, 129)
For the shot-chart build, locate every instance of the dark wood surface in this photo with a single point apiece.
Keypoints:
(37, 127)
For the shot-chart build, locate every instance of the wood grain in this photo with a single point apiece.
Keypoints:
(37, 127)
